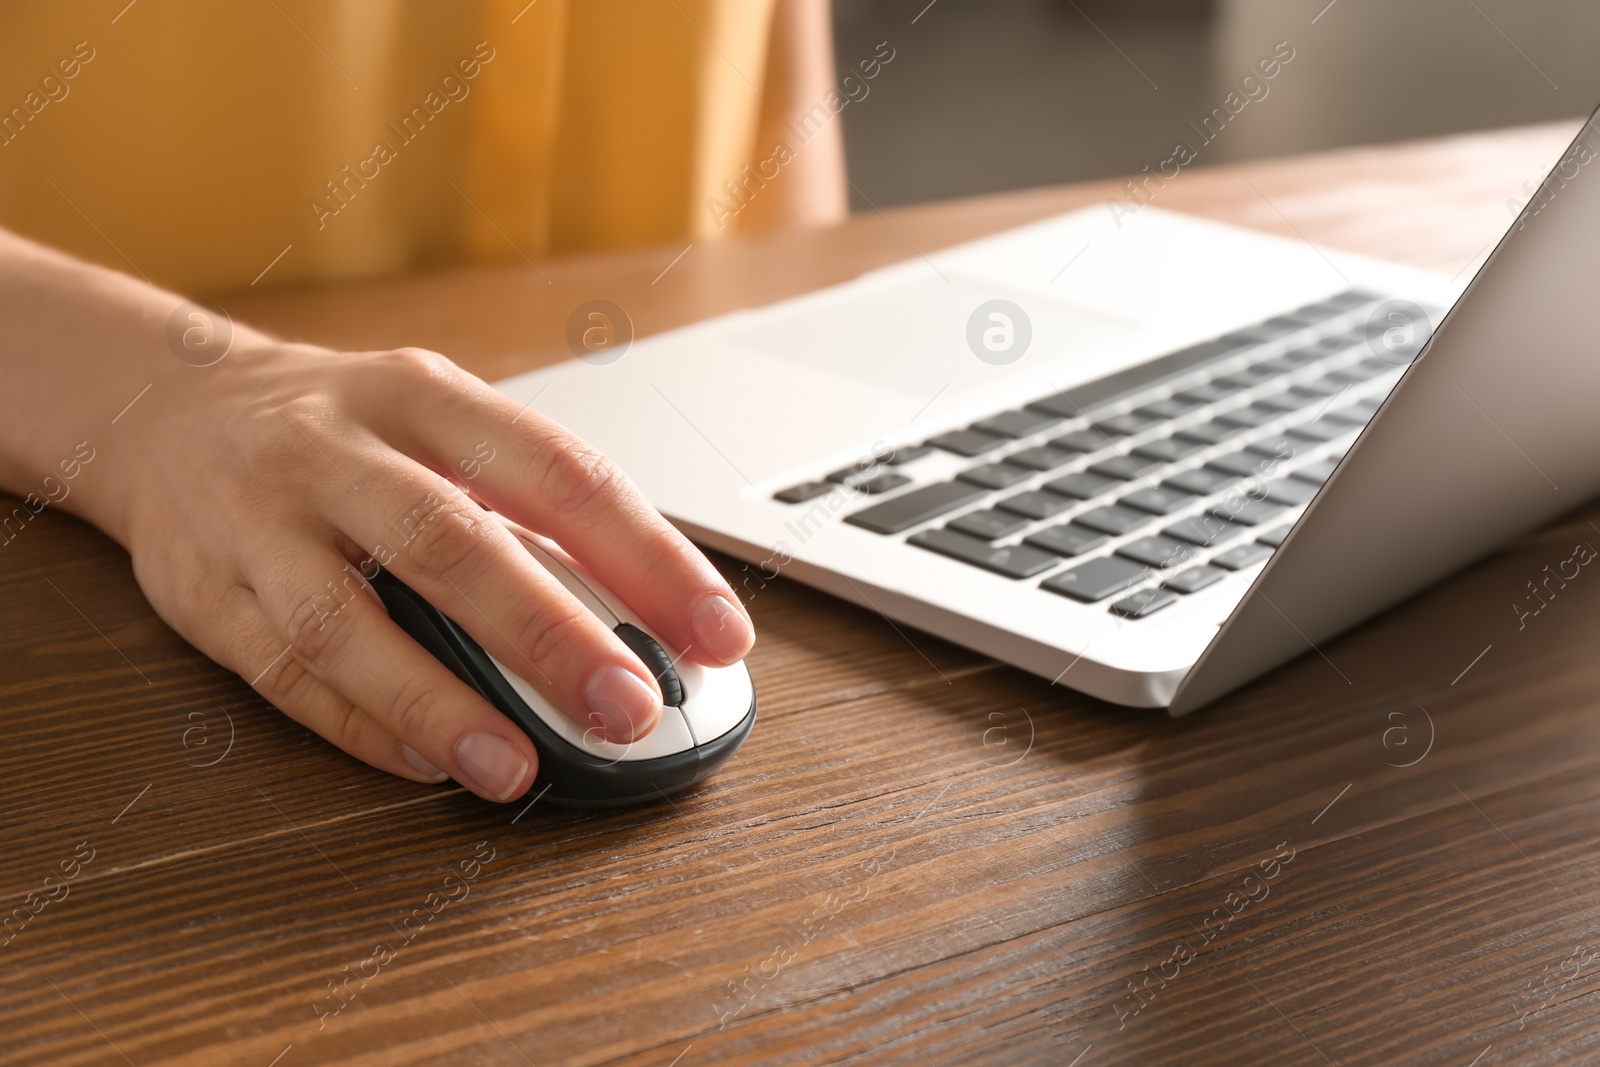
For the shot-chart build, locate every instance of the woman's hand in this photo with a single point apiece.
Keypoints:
(253, 494)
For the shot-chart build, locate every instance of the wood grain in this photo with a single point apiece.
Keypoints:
(919, 857)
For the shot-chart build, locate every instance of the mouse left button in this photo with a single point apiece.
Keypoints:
(655, 660)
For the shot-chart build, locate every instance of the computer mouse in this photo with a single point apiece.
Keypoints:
(707, 713)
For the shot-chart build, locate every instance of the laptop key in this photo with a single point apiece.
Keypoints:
(1210, 433)
(988, 524)
(1322, 387)
(1346, 376)
(1080, 441)
(1144, 602)
(1205, 530)
(1242, 464)
(1289, 400)
(1157, 500)
(885, 482)
(907, 454)
(995, 475)
(1123, 425)
(1041, 458)
(1254, 415)
(1015, 561)
(1019, 423)
(1168, 408)
(1322, 309)
(1301, 318)
(1362, 371)
(1062, 404)
(967, 442)
(1083, 485)
(1266, 331)
(1237, 559)
(1275, 538)
(1337, 344)
(1317, 472)
(1069, 539)
(1300, 356)
(1355, 335)
(1163, 553)
(1291, 492)
(1168, 449)
(1241, 509)
(1350, 414)
(869, 479)
(1120, 467)
(1278, 364)
(1036, 504)
(1206, 393)
(1113, 519)
(1370, 368)
(1248, 378)
(1278, 448)
(1096, 579)
(1340, 302)
(1321, 430)
(1202, 481)
(1354, 298)
(916, 507)
(799, 494)
(1195, 579)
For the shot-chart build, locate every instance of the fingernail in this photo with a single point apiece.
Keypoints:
(622, 703)
(721, 628)
(493, 764)
(422, 766)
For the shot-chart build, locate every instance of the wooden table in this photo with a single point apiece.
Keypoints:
(920, 857)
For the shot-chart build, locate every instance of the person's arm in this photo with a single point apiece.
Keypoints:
(811, 190)
(252, 492)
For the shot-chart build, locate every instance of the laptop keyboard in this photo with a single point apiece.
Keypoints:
(1153, 484)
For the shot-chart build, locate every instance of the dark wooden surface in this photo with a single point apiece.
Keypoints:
(920, 857)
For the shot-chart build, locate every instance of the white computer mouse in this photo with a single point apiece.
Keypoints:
(708, 710)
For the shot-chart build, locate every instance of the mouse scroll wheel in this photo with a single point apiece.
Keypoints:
(656, 661)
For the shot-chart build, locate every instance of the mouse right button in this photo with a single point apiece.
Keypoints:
(716, 699)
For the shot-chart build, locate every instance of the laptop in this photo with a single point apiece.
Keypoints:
(1140, 454)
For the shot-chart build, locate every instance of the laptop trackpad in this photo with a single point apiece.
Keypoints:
(716, 415)
(917, 337)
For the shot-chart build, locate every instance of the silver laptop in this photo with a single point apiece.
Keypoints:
(1140, 454)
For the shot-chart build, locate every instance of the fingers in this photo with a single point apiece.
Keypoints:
(297, 693)
(338, 634)
(464, 561)
(530, 469)
(247, 645)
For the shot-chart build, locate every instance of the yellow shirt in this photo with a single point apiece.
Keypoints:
(204, 144)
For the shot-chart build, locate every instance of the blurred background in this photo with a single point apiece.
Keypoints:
(988, 95)
(608, 124)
